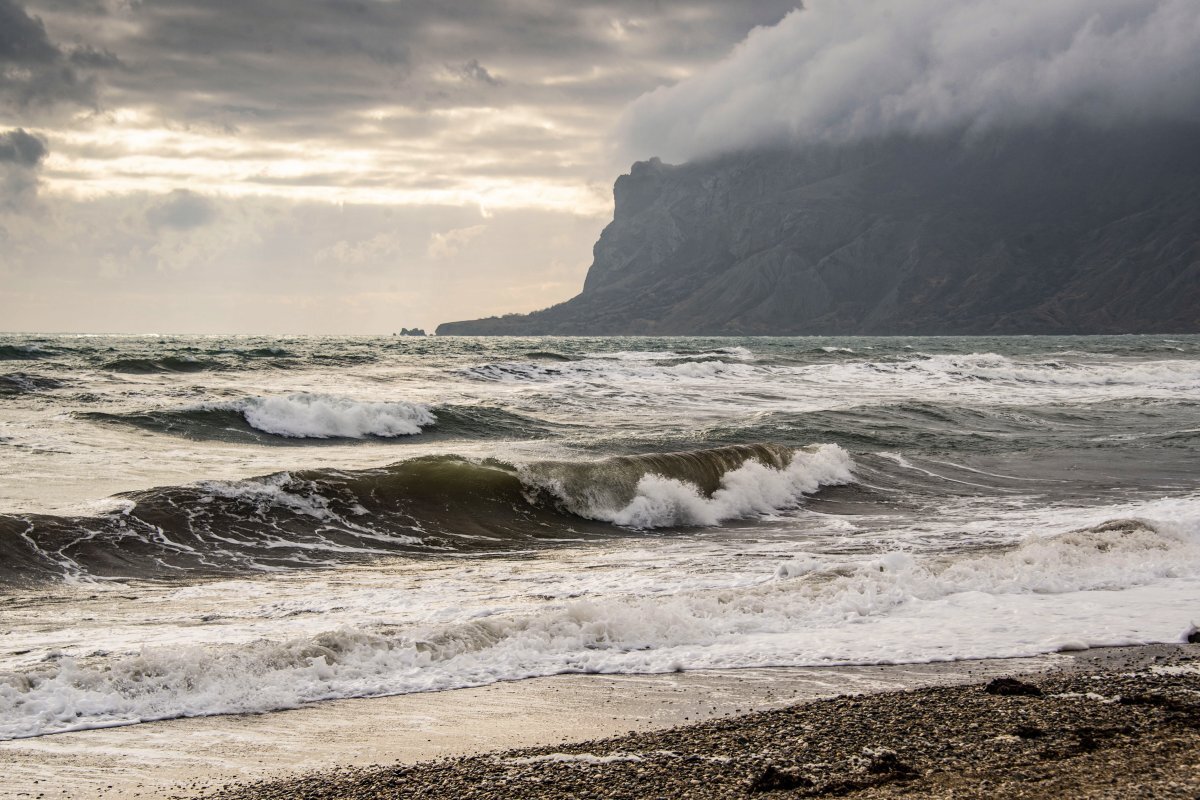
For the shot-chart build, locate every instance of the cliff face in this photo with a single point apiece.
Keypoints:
(1051, 231)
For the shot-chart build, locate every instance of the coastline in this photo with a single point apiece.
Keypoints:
(1120, 723)
(337, 748)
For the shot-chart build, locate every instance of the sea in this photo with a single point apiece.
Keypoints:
(199, 525)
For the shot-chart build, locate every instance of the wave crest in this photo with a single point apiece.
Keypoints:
(316, 416)
(432, 504)
(701, 488)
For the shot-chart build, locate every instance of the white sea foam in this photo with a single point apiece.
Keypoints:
(749, 490)
(976, 376)
(320, 416)
(271, 492)
(606, 370)
(1104, 373)
(1124, 582)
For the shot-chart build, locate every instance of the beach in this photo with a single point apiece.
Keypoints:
(1114, 724)
(623, 723)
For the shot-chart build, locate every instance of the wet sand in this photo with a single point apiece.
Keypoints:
(362, 748)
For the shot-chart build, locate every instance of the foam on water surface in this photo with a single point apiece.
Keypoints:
(315, 416)
(300, 519)
(1130, 578)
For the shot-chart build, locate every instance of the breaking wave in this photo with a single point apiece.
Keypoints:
(304, 417)
(314, 416)
(700, 488)
(887, 608)
(434, 504)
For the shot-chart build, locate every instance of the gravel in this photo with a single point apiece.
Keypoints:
(1105, 732)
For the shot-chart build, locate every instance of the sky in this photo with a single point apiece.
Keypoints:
(339, 166)
(358, 166)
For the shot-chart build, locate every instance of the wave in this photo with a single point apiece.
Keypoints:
(546, 355)
(695, 367)
(314, 416)
(304, 417)
(434, 504)
(1040, 595)
(994, 368)
(932, 427)
(699, 488)
(149, 366)
(23, 383)
(262, 352)
(830, 369)
(22, 352)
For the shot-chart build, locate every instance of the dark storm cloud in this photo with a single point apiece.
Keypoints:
(21, 153)
(845, 69)
(36, 72)
(287, 66)
(22, 149)
(474, 71)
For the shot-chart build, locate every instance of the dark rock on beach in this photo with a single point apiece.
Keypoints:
(1012, 687)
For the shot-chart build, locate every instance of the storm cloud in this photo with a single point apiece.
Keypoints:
(322, 165)
(367, 101)
(34, 71)
(21, 153)
(851, 69)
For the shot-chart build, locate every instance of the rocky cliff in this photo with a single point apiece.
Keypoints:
(1064, 230)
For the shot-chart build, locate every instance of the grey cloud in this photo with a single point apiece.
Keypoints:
(862, 68)
(21, 154)
(23, 39)
(288, 66)
(33, 70)
(89, 57)
(182, 210)
(21, 148)
(374, 74)
(474, 71)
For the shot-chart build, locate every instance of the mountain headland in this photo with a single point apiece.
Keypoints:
(1061, 229)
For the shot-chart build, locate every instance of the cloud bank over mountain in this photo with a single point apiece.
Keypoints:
(845, 70)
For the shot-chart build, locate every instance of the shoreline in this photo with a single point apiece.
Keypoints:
(1116, 723)
(333, 741)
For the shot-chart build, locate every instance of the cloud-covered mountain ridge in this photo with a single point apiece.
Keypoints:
(1067, 228)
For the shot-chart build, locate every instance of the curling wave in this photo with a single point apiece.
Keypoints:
(305, 417)
(434, 504)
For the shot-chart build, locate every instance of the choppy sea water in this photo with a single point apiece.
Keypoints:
(210, 525)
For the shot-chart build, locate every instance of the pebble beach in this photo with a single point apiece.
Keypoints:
(1122, 723)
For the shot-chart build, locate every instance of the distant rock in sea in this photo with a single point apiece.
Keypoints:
(1056, 230)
